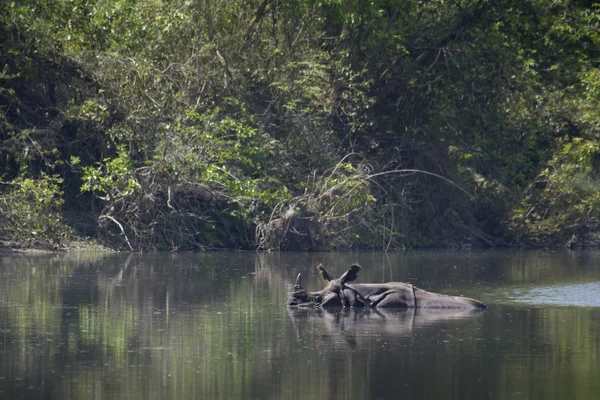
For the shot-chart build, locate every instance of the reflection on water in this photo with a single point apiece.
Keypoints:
(581, 294)
(215, 326)
(349, 326)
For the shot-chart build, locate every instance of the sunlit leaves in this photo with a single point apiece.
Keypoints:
(30, 212)
(114, 177)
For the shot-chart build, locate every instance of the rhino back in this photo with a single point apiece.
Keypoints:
(425, 299)
(374, 289)
(391, 294)
(405, 295)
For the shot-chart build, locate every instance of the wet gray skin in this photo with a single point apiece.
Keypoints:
(338, 293)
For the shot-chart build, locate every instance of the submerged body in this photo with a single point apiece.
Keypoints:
(338, 293)
(400, 295)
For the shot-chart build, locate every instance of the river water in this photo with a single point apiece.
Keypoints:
(215, 326)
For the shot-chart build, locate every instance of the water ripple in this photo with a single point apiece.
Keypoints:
(581, 294)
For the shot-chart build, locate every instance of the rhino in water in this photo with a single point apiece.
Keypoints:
(338, 293)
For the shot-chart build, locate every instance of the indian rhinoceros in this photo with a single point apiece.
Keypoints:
(338, 293)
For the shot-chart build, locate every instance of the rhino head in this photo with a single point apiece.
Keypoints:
(335, 294)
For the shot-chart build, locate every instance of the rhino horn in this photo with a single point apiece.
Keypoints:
(298, 281)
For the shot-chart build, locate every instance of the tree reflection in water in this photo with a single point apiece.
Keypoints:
(216, 326)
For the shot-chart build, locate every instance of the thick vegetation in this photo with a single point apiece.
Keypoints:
(176, 124)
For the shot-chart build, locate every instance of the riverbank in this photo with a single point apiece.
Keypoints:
(9, 247)
(589, 241)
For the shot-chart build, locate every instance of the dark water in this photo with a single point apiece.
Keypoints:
(215, 326)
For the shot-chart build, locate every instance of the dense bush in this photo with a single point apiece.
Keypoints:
(305, 125)
(31, 213)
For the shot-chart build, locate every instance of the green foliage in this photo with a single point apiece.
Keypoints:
(565, 198)
(223, 123)
(30, 212)
(114, 177)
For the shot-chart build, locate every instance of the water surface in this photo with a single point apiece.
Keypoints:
(215, 326)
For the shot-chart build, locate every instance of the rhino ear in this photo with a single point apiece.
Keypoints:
(298, 283)
(324, 273)
(351, 274)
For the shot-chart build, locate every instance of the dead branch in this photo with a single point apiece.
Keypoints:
(121, 227)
